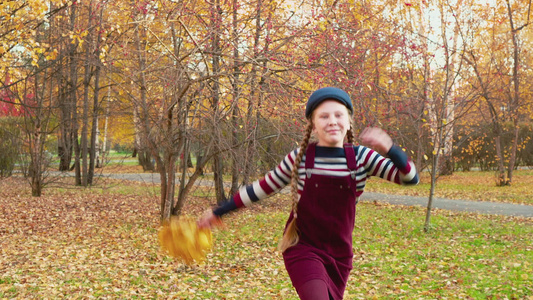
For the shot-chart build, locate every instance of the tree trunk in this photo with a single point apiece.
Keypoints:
(515, 106)
(419, 148)
(514, 149)
(427, 223)
(97, 152)
(145, 159)
(200, 164)
(86, 85)
(77, 163)
(182, 190)
(217, 159)
(37, 124)
(502, 180)
(446, 164)
(236, 161)
(218, 170)
(104, 144)
(73, 80)
(167, 190)
(65, 146)
(94, 128)
(36, 164)
(68, 124)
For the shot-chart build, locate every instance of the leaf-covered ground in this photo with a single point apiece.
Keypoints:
(102, 243)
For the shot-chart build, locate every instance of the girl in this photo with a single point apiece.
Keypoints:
(326, 183)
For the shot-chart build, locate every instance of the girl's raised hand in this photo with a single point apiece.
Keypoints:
(377, 139)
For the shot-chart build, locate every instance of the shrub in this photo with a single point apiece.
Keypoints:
(10, 145)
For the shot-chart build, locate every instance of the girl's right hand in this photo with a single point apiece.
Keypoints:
(377, 139)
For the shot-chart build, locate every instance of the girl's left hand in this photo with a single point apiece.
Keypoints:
(377, 139)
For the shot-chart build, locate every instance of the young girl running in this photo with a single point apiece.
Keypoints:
(326, 183)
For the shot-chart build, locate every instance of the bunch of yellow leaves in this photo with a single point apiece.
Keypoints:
(183, 239)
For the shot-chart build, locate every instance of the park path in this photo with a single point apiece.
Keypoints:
(480, 207)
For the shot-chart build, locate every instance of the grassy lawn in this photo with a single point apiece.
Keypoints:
(102, 243)
(478, 186)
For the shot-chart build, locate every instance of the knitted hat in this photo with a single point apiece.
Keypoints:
(327, 93)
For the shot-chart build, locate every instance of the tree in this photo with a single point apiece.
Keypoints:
(440, 102)
(497, 77)
(516, 102)
(31, 62)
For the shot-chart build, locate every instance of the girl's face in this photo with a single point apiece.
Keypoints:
(331, 121)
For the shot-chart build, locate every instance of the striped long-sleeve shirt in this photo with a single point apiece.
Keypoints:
(396, 167)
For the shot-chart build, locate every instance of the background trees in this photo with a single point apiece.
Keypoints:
(497, 76)
(225, 82)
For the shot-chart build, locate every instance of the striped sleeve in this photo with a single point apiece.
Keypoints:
(407, 170)
(271, 183)
(396, 168)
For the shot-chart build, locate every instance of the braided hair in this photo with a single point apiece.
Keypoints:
(350, 134)
(290, 237)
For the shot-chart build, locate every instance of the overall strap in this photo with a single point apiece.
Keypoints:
(351, 161)
(310, 159)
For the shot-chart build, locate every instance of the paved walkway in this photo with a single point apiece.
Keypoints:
(481, 207)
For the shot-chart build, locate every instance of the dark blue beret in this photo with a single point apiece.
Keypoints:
(327, 93)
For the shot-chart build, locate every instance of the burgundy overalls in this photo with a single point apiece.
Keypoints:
(326, 216)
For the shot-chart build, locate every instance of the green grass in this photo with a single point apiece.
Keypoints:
(477, 186)
(493, 253)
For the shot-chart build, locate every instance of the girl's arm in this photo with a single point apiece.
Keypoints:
(392, 163)
(260, 189)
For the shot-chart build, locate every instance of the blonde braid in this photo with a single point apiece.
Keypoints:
(351, 132)
(290, 237)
